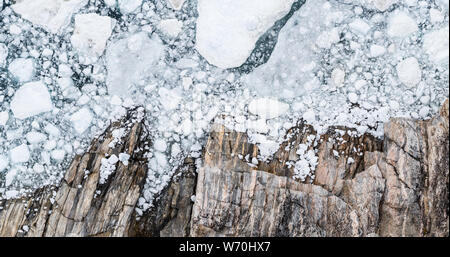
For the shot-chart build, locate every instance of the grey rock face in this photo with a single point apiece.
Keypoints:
(171, 212)
(397, 186)
(80, 205)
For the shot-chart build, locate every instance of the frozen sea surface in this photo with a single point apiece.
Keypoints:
(69, 68)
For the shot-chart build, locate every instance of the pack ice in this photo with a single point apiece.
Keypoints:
(49, 14)
(227, 30)
(31, 99)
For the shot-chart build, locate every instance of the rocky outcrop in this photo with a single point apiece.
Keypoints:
(81, 205)
(362, 186)
(394, 187)
(171, 211)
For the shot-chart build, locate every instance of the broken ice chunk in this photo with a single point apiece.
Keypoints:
(20, 154)
(227, 30)
(171, 27)
(409, 72)
(81, 120)
(130, 58)
(50, 14)
(22, 69)
(128, 6)
(31, 99)
(176, 4)
(267, 108)
(401, 25)
(90, 43)
(3, 162)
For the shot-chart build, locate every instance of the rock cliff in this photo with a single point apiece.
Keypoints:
(363, 186)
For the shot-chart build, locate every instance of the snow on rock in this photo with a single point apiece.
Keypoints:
(267, 108)
(20, 154)
(90, 43)
(128, 6)
(3, 54)
(22, 69)
(409, 72)
(176, 4)
(401, 25)
(81, 120)
(108, 166)
(227, 30)
(436, 45)
(131, 58)
(171, 27)
(31, 99)
(50, 14)
(123, 158)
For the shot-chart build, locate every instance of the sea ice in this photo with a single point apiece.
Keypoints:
(170, 27)
(4, 117)
(436, 45)
(50, 14)
(22, 69)
(31, 99)
(131, 58)
(401, 25)
(3, 54)
(20, 154)
(227, 30)
(176, 4)
(3, 162)
(128, 6)
(81, 120)
(267, 108)
(409, 71)
(90, 43)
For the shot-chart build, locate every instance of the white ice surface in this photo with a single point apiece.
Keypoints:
(227, 30)
(81, 120)
(130, 59)
(91, 43)
(31, 99)
(50, 14)
(22, 69)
